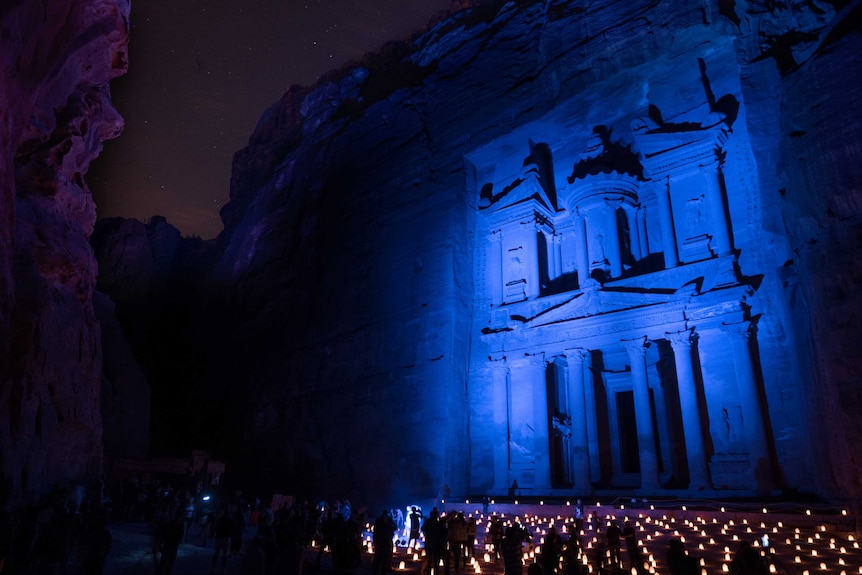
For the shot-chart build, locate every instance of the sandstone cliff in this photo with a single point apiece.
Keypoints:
(329, 337)
(57, 58)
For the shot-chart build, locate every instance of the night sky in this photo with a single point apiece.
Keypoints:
(202, 72)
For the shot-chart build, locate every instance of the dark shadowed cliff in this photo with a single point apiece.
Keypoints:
(330, 335)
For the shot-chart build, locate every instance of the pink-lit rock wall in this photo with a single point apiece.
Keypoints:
(57, 58)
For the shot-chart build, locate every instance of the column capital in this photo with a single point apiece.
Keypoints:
(613, 203)
(680, 339)
(577, 354)
(636, 347)
(739, 330)
(537, 359)
(498, 364)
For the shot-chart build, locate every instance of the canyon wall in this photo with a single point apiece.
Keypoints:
(322, 345)
(344, 286)
(57, 58)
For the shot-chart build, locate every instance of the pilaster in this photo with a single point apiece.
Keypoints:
(681, 342)
(636, 349)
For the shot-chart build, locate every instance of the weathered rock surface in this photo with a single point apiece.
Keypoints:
(332, 334)
(57, 58)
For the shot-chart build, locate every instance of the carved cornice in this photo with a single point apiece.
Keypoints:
(518, 214)
(592, 191)
(667, 152)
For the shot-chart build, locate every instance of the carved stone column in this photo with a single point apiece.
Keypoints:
(642, 231)
(557, 256)
(501, 401)
(552, 256)
(634, 235)
(581, 257)
(612, 237)
(691, 422)
(636, 349)
(541, 422)
(592, 418)
(668, 234)
(753, 421)
(495, 267)
(531, 253)
(715, 198)
(577, 358)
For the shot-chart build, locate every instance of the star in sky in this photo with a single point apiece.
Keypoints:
(201, 74)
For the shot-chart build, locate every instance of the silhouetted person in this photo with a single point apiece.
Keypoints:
(237, 531)
(415, 524)
(95, 547)
(495, 530)
(50, 546)
(599, 555)
(436, 537)
(511, 548)
(613, 535)
(632, 548)
(571, 565)
(260, 554)
(221, 530)
(172, 535)
(384, 530)
(552, 549)
(327, 532)
(471, 537)
(457, 531)
(579, 516)
(748, 561)
(346, 545)
(678, 561)
(513, 489)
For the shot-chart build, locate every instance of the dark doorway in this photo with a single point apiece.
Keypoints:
(628, 432)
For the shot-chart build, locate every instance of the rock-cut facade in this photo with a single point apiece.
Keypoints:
(616, 343)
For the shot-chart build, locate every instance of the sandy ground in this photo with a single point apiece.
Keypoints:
(131, 555)
(800, 544)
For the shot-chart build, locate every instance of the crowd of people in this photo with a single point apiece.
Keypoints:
(68, 535)
(66, 532)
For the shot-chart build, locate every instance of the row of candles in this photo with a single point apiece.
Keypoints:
(812, 551)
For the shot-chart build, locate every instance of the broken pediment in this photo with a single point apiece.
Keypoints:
(526, 188)
(599, 301)
(666, 151)
(534, 183)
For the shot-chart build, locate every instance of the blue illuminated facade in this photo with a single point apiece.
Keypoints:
(618, 302)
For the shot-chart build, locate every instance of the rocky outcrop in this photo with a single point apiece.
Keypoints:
(152, 276)
(57, 58)
(332, 331)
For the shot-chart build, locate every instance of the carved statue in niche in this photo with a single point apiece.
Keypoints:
(731, 425)
(597, 250)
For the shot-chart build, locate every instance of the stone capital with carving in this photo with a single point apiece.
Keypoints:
(577, 354)
(636, 347)
(740, 330)
(681, 339)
